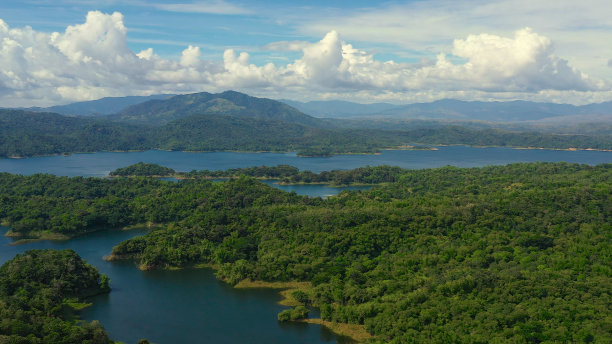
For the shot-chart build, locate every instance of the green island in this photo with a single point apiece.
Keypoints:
(143, 169)
(40, 290)
(516, 253)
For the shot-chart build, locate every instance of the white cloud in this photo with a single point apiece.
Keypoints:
(92, 60)
(191, 56)
(581, 29)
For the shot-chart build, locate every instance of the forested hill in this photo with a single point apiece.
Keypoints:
(229, 103)
(39, 291)
(24, 133)
(500, 254)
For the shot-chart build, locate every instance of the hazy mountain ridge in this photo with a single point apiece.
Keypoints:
(229, 103)
(450, 109)
(236, 121)
(103, 106)
(338, 108)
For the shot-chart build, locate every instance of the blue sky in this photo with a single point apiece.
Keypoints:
(396, 51)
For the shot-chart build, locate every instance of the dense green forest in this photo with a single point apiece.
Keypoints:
(25, 134)
(284, 173)
(142, 169)
(39, 291)
(291, 175)
(517, 253)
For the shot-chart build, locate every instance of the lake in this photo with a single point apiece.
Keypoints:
(192, 306)
(101, 164)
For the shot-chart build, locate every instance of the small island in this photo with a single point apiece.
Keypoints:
(40, 292)
(142, 169)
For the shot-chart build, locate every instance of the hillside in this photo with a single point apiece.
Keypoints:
(24, 133)
(230, 103)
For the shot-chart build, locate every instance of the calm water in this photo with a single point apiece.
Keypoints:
(191, 306)
(101, 164)
(185, 306)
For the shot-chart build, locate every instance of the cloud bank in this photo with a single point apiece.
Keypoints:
(92, 60)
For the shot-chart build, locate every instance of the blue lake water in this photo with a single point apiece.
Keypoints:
(192, 306)
(101, 164)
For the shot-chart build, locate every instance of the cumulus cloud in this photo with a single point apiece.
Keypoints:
(92, 60)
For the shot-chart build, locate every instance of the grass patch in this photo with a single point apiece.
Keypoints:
(287, 289)
(356, 332)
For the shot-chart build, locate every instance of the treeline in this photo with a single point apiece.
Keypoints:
(292, 175)
(41, 204)
(39, 291)
(516, 253)
(25, 134)
(143, 169)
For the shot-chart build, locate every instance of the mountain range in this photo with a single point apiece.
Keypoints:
(236, 121)
(450, 109)
(163, 108)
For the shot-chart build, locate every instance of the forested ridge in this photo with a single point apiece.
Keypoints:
(517, 253)
(39, 290)
(24, 134)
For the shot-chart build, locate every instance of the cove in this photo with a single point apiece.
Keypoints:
(183, 306)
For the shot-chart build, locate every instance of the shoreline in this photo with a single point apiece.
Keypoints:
(355, 332)
(21, 239)
(432, 147)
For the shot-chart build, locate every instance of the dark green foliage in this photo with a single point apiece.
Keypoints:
(274, 172)
(291, 175)
(143, 169)
(28, 133)
(36, 289)
(297, 313)
(25, 133)
(301, 297)
(516, 253)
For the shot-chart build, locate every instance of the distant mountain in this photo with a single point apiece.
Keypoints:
(103, 106)
(229, 103)
(512, 111)
(458, 110)
(338, 108)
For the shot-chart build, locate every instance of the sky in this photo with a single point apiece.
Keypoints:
(60, 51)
